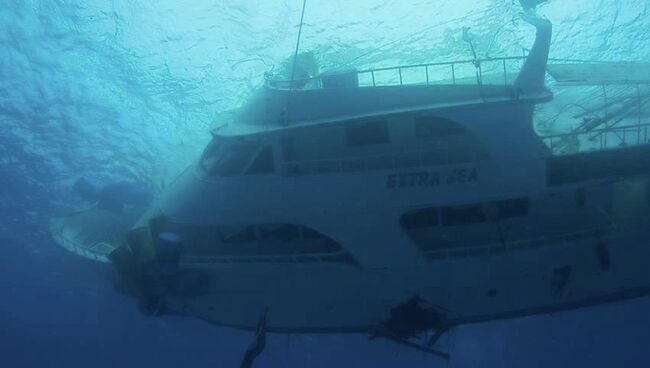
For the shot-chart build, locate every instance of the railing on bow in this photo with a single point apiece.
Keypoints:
(492, 71)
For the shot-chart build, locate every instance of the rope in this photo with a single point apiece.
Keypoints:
(295, 54)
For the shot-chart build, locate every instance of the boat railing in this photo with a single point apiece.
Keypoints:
(99, 251)
(598, 139)
(507, 246)
(486, 71)
(388, 161)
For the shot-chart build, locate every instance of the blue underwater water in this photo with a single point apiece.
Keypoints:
(126, 91)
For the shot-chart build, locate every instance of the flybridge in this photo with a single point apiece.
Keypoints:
(363, 94)
(478, 72)
(528, 79)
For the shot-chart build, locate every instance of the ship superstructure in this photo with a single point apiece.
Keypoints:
(340, 201)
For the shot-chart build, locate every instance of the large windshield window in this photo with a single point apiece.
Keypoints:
(263, 163)
(226, 156)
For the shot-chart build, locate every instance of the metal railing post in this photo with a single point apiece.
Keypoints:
(426, 72)
(601, 140)
(399, 71)
(606, 110)
(453, 73)
(638, 102)
(372, 73)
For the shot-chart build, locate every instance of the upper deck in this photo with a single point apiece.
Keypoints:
(383, 91)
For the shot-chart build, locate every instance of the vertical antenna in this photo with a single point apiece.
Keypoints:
(295, 54)
(285, 117)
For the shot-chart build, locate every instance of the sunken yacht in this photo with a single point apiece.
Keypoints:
(394, 201)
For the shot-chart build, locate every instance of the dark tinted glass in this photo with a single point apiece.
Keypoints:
(308, 233)
(434, 127)
(278, 232)
(513, 207)
(263, 163)
(427, 217)
(462, 215)
(238, 235)
(366, 133)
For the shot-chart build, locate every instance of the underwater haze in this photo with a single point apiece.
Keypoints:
(127, 91)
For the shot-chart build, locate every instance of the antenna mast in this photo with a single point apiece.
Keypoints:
(295, 54)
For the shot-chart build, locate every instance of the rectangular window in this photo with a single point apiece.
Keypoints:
(309, 233)
(366, 133)
(263, 163)
(236, 235)
(233, 161)
(435, 127)
(510, 208)
(418, 219)
(278, 232)
(313, 144)
(462, 215)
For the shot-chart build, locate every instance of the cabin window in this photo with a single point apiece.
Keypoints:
(211, 154)
(308, 233)
(418, 219)
(226, 157)
(278, 232)
(318, 242)
(237, 235)
(234, 160)
(510, 208)
(434, 127)
(269, 242)
(366, 133)
(263, 163)
(313, 144)
(463, 215)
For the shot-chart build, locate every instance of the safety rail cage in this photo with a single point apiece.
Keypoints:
(484, 71)
(598, 139)
(479, 72)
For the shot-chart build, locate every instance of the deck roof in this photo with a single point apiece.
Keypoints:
(587, 74)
